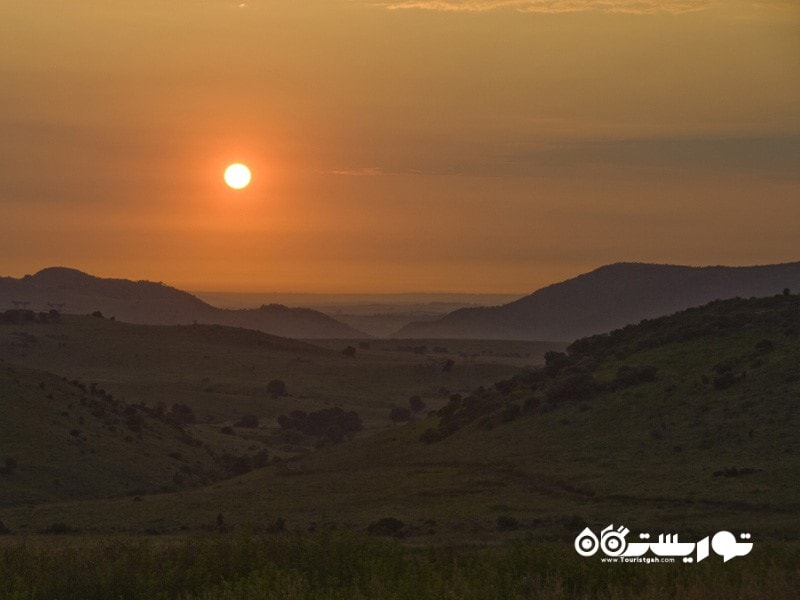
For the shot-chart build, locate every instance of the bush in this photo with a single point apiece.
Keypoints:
(3, 529)
(349, 351)
(236, 465)
(9, 466)
(416, 404)
(510, 413)
(277, 525)
(724, 381)
(507, 523)
(629, 376)
(247, 422)
(276, 388)
(430, 436)
(765, 347)
(578, 386)
(181, 414)
(388, 526)
(59, 528)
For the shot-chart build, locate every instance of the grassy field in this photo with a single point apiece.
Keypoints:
(72, 441)
(686, 424)
(342, 566)
(222, 372)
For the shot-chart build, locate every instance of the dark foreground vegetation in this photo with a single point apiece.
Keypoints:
(335, 565)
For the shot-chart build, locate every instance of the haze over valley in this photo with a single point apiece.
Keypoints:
(399, 299)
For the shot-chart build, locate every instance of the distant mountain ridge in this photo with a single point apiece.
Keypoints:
(147, 302)
(607, 298)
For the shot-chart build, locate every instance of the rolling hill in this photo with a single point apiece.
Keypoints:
(93, 408)
(606, 298)
(63, 440)
(158, 304)
(687, 423)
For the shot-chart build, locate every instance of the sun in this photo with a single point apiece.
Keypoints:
(237, 176)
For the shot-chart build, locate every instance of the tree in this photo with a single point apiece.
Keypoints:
(276, 388)
(416, 404)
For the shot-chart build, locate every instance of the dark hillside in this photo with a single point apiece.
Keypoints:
(684, 423)
(69, 290)
(607, 298)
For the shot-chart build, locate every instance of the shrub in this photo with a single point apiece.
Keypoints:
(388, 526)
(430, 436)
(260, 459)
(765, 346)
(236, 465)
(59, 528)
(554, 362)
(277, 525)
(510, 413)
(578, 386)
(507, 523)
(349, 351)
(181, 414)
(3, 529)
(416, 404)
(276, 388)
(724, 381)
(134, 422)
(247, 421)
(628, 376)
(9, 466)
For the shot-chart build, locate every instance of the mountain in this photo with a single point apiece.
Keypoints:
(605, 299)
(72, 291)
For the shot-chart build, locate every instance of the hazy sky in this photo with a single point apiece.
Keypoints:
(408, 145)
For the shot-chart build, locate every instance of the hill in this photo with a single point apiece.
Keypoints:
(606, 298)
(158, 304)
(686, 423)
(95, 408)
(64, 440)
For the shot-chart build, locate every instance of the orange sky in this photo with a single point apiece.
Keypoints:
(486, 146)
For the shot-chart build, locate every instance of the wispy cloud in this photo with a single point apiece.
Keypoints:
(554, 6)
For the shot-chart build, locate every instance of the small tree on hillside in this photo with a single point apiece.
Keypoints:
(276, 388)
(416, 404)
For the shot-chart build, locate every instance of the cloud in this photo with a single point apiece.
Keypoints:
(776, 157)
(642, 7)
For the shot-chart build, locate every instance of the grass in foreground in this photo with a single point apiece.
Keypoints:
(336, 565)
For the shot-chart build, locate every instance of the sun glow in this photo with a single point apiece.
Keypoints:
(237, 176)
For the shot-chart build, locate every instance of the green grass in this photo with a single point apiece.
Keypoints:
(656, 455)
(342, 566)
(222, 372)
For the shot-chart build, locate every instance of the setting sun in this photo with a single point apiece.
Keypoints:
(237, 176)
